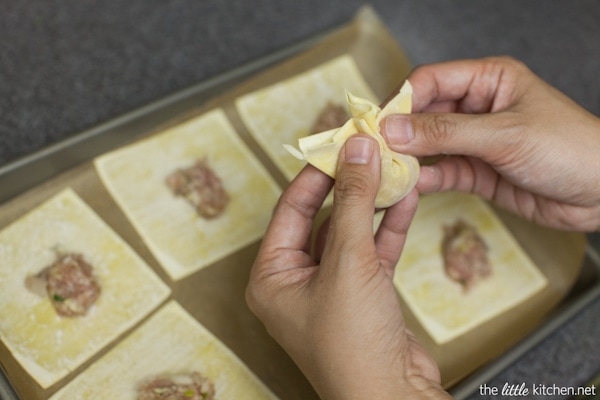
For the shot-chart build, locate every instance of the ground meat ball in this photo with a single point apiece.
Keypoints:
(69, 283)
(332, 116)
(465, 254)
(178, 387)
(201, 187)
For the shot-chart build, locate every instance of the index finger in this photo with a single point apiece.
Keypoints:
(470, 84)
(292, 220)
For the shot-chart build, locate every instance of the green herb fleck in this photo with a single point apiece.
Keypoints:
(189, 393)
(58, 298)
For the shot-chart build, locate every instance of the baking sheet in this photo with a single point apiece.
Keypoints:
(215, 295)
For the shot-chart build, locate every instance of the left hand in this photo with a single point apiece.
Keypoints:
(340, 319)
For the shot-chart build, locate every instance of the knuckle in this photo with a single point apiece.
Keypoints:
(352, 188)
(298, 203)
(253, 293)
(507, 66)
(504, 61)
(257, 296)
(252, 299)
(512, 62)
(437, 128)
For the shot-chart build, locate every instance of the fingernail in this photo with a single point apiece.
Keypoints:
(398, 129)
(359, 150)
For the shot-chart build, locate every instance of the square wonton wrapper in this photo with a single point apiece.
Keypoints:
(49, 346)
(170, 342)
(284, 112)
(181, 240)
(439, 303)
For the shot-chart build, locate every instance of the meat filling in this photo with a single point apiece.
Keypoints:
(177, 387)
(332, 116)
(69, 284)
(201, 187)
(465, 254)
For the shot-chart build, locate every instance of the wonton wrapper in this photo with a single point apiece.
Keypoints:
(399, 172)
(181, 240)
(285, 111)
(170, 342)
(49, 346)
(445, 310)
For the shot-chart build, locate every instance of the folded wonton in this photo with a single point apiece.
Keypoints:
(399, 172)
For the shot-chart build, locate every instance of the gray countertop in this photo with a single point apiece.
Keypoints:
(69, 66)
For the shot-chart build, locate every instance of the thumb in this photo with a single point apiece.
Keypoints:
(450, 133)
(356, 184)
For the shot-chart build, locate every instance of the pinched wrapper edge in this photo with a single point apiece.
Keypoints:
(399, 172)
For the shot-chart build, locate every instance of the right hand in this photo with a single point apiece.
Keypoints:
(507, 136)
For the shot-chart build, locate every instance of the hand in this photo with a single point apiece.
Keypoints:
(507, 136)
(340, 320)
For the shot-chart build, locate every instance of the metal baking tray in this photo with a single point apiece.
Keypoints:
(585, 291)
(41, 168)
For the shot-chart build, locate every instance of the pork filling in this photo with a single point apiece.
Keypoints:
(465, 254)
(191, 386)
(331, 116)
(69, 283)
(201, 187)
